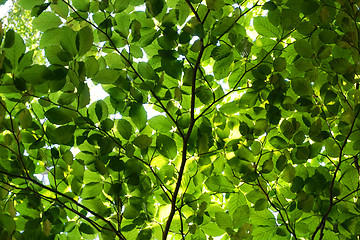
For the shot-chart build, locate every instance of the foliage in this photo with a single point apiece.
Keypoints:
(20, 20)
(257, 135)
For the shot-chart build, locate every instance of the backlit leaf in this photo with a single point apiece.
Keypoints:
(146, 71)
(138, 115)
(219, 184)
(160, 123)
(166, 146)
(223, 220)
(265, 28)
(46, 20)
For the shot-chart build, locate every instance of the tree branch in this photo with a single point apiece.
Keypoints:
(185, 143)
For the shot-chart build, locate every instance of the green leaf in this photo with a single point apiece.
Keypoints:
(278, 142)
(267, 166)
(281, 163)
(86, 228)
(25, 119)
(46, 20)
(166, 146)
(215, 4)
(84, 40)
(16, 49)
(309, 7)
(219, 184)
(56, 55)
(92, 66)
(273, 115)
(287, 129)
(241, 215)
(101, 110)
(91, 190)
(332, 148)
(106, 76)
(121, 5)
(303, 48)
(301, 86)
(59, 115)
(288, 173)
(229, 108)
(142, 141)
(9, 38)
(265, 28)
(155, 7)
(81, 5)
(138, 116)
(84, 92)
(146, 71)
(204, 94)
(64, 134)
(261, 204)
(302, 154)
(173, 68)
(306, 202)
(327, 36)
(340, 65)
(131, 212)
(160, 123)
(124, 128)
(279, 64)
(297, 184)
(36, 74)
(223, 220)
(28, 4)
(7, 223)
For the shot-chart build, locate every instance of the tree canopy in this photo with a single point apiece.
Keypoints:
(256, 133)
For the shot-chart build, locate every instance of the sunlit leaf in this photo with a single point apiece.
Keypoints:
(46, 20)
(265, 28)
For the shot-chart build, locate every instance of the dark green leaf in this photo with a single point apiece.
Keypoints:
(340, 65)
(59, 115)
(86, 228)
(261, 204)
(279, 64)
(155, 6)
(84, 40)
(142, 141)
(124, 128)
(64, 134)
(287, 129)
(309, 6)
(273, 115)
(101, 110)
(303, 48)
(278, 142)
(9, 38)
